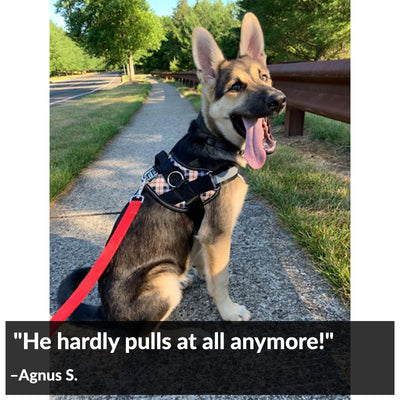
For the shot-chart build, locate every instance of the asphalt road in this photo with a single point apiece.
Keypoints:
(72, 89)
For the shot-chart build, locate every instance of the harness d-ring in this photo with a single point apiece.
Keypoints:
(177, 184)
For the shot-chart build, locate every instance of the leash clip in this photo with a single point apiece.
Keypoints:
(149, 175)
(138, 194)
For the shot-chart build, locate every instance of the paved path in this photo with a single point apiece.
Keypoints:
(74, 88)
(269, 273)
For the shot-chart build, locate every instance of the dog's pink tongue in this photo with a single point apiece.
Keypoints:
(254, 152)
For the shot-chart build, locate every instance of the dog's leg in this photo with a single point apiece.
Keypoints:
(197, 260)
(156, 296)
(216, 259)
(214, 239)
(167, 287)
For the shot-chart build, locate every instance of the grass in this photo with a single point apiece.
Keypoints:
(67, 77)
(313, 203)
(81, 129)
(331, 132)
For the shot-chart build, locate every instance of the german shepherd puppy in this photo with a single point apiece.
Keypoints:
(144, 279)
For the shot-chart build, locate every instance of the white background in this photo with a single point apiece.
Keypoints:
(24, 161)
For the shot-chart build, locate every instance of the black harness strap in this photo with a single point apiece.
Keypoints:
(189, 190)
(196, 213)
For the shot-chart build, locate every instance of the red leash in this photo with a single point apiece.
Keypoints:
(99, 266)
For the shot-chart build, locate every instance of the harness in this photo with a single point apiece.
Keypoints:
(182, 188)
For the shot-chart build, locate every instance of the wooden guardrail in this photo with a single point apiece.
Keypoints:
(186, 77)
(319, 87)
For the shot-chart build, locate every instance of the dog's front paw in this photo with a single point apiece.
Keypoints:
(236, 312)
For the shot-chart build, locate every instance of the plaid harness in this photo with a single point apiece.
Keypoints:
(184, 189)
(159, 184)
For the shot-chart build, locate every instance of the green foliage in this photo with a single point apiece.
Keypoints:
(221, 20)
(328, 130)
(293, 29)
(303, 29)
(66, 56)
(173, 65)
(113, 29)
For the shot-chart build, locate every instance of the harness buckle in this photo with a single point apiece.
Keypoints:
(177, 179)
(150, 174)
(223, 176)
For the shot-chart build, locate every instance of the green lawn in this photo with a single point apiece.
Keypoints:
(80, 130)
(331, 132)
(313, 203)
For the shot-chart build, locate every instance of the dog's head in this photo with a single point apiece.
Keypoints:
(238, 95)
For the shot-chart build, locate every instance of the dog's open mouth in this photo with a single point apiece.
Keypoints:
(259, 139)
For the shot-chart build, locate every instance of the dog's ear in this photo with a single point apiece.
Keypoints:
(206, 54)
(252, 39)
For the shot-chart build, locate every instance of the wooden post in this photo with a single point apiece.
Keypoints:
(294, 121)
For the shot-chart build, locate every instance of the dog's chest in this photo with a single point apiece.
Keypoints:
(222, 213)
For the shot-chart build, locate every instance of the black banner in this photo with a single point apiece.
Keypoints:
(252, 358)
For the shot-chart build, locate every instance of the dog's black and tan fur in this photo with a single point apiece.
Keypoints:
(143, 282)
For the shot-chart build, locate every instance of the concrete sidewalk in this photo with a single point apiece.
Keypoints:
(270, 274)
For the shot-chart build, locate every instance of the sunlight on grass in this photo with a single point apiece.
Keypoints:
(81, 129)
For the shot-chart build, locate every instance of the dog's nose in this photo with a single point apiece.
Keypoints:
(276, 102)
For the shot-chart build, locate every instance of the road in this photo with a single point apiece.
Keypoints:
(74, 88)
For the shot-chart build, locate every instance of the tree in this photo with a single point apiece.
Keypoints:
(218, 19)
(303, 29)
(66, 56)
(121, 31)
(221, 20)
(160, 59)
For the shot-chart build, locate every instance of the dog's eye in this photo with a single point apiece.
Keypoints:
(264, 77)
(236, 87)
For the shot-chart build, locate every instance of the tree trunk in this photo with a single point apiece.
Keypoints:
(124, 69)
(131, 69)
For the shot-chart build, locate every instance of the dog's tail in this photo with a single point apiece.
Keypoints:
(84, 312)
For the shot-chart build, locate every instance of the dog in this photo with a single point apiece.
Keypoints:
(144, 280)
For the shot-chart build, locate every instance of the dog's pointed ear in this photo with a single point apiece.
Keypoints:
(252, 39)
(206, 54)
